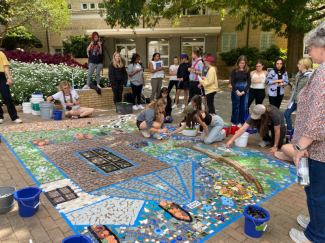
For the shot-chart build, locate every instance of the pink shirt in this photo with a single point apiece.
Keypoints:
(310, 119)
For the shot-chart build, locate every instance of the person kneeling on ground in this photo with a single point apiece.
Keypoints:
(260, 119)
(151, 119)
(164, 94)
(212, 126)
(70, 101)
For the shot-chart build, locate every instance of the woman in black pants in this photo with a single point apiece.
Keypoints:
(117, 76)
(5, 90)
(257, 89)
(135, 71)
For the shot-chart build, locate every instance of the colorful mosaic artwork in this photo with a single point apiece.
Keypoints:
(113, 186)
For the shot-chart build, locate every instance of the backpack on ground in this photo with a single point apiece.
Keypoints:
(93, 85)
(128, 97)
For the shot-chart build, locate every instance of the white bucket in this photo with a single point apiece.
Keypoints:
(27, 108)
(242, 140)
(190, 133)
(37, 95)
(35, 106)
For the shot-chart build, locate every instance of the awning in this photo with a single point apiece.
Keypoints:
(159, 32)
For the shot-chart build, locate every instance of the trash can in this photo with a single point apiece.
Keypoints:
(7, 202)
(28, 201)
(57, 115)
(251, 223)
(46, 109)
(76, 239)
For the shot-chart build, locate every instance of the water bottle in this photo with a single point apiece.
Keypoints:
(303, 172)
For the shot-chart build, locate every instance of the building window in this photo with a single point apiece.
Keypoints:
(70, 6)
(191, 44)
(92, 6)
(100, 5)
(195, 11)
(229, 42)
(59, 50)
(267, 40)
(84, 6)
(161, 46)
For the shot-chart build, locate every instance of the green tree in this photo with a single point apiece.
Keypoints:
(21, 37)
(76, 45)
(288, 18)
(51, 15)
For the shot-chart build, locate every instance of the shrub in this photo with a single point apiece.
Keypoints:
(76, 45)
(40, 77)
(41, 57)
(20, 37)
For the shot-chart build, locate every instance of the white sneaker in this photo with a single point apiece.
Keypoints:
(99, 86)
(298, 236)
(223, 133)
(140, 107)
(156, 135)
(264, 143)
(135, 107)
(233, 125)
(303, 221)
(145, 133)
(1, 121)
(18, 121)
(174, 106)
(85, 87)
(183, 106)
(239, 125)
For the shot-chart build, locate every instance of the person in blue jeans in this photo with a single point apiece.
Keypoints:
(212, 126)
(300, 81)
(164, 94)
(240, 82)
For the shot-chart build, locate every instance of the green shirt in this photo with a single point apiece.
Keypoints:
(301, 81)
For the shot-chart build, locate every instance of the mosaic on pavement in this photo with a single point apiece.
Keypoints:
(96, 172)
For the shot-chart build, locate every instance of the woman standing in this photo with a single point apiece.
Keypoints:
(135, 71)
(277, 79)
(240, 82)
(173, 74)
(257, 89)
(5, 90)
(309, 140)
(117, 76)
(210, 83)
(95, 59)
(300, 81)
(157, 74)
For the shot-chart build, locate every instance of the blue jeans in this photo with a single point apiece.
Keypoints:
(215, 128)
(91, 69)
(239, 104)
(315, 193)
(287, 115)
(169, 121)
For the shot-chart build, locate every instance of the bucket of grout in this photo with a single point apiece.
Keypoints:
(77, 239)
(254, 227)
(28, 201)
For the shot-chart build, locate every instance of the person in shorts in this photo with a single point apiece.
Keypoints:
(70, 101)
(183, 79)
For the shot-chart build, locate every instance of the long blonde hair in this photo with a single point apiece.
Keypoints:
(114, 61)
(156, 104)
(64, 83)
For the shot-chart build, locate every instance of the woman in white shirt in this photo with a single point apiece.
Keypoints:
(157, 74)
(173, 74)
(257, 89)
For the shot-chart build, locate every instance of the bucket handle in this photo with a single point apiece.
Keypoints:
(29, 206)
(261, 224)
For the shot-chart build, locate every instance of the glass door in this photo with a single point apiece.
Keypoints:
(126, 52)
(191, 44)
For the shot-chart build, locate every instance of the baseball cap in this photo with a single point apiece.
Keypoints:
(187, 109)
(184, 55)
(258, 111)
(210, 59)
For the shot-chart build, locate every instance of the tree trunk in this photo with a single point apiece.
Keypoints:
(295, 50)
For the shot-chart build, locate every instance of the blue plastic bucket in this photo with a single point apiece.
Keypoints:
(28, 201)
(76, 239)
(251, 222)
(57, 115)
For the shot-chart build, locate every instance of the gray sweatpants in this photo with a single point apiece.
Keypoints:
(156, 84)
(214, 129)
(92, 67)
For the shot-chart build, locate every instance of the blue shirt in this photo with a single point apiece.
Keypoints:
(198, 67)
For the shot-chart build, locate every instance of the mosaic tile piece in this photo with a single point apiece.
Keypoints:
(186, 172)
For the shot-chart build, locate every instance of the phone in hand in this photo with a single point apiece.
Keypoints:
(293, 75)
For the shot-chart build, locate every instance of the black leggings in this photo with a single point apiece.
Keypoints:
(276, 101)
(6, 96)
(171, 85)
(256, 94)
(210, 101)
(118, 91)
(136, 93)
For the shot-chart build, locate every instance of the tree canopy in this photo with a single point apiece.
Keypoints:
(76, 45)
(51, 15)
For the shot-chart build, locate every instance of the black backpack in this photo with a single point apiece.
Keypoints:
(128, 97)
(93, 85)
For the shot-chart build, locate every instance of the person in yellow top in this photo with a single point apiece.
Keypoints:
(5, 90)
(210, 83)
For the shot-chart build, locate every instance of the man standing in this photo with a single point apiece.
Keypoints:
(195, 70)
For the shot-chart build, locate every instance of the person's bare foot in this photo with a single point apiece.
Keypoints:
(282, 156)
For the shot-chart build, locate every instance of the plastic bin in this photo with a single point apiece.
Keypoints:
(227, 131)
(57, 115)
(124, 108)
(7, 202)
(233, 129)
(35, 105)
(251, 222)
(46, 109)
(27, 107)
(76, 239)
(28, 201)
(242, 140)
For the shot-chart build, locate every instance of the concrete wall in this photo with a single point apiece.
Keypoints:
(141, 48)
(174, 49)
(211, 45)
(110, 44)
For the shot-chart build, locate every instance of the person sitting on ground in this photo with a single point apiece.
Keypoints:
(151, 119)
(212, 126)
(164, 94)
(260, 118)
(70, 101)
